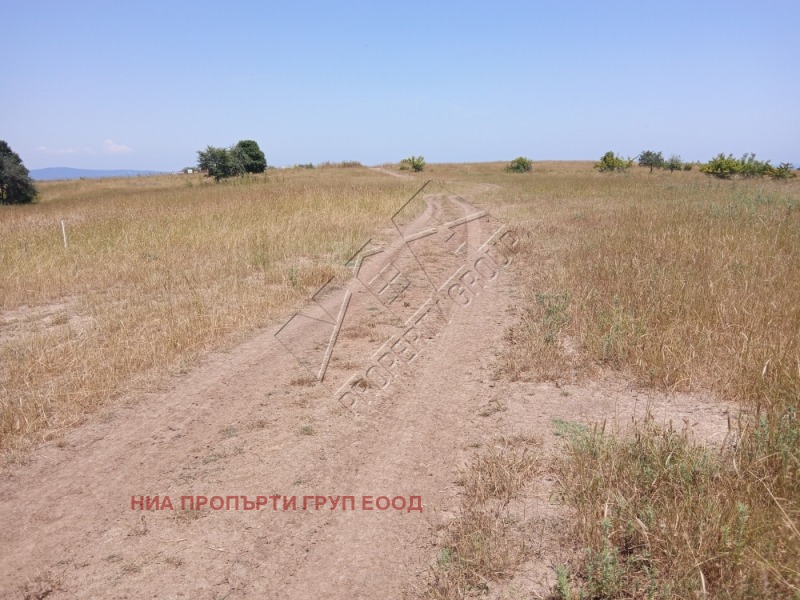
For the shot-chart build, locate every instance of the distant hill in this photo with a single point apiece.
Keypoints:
(52, 173)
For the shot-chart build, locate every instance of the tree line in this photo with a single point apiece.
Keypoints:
(722, 166)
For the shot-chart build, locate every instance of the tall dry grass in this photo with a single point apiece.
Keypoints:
(689, 283)
(684, 283)
(694, 290)
(157, 271)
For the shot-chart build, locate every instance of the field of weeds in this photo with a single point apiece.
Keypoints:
(684, 283)
(676, 281)
(157, 271)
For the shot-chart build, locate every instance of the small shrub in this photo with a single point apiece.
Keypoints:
(751, 167)
(413, 163)
(721, 166)
(611, 162)
(520, 165)
(688, 166)
(728, 167)
(783, 171)
(673, 163)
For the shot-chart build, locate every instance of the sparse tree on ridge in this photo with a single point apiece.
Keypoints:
(674, 163)
(16, 185)
(648, 158)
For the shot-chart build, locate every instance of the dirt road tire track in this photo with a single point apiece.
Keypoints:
(245, 422)
(230, 427)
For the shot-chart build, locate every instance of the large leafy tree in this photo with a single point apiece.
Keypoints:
(250, 156)
(16, 185)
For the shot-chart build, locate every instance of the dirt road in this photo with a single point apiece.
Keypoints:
(253, 423)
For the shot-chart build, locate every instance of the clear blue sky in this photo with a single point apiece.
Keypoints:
(144, 85)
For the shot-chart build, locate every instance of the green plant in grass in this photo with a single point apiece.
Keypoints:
(676, 519)
(554, 314)
(413, 163)
(747, 167)
(721, 166)
(673, 163)
(520, 165)
(563, 588)
(783, 171)
(611, 163)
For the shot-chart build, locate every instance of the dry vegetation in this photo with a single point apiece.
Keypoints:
(484, 543)
(679, 281)
(157, 271)
(684, 283)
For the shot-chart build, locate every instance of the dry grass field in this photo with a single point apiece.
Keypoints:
(677, 283)
(683, 283)
(158, 270)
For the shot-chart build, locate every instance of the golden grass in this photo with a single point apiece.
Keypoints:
(157, 271)
(685, 283)
(679, 280)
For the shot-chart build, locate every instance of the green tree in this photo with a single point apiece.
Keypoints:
(783, 171)
(520, 165)
(611, 162)
(648, 158)
(250, 156)
(220, 163)
(415, 163)
(674, 163)
(728, 167)
(724, 167)
(752, 167)
(16, 185)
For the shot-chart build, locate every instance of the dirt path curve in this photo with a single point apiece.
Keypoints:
(247, 423)
(392, 173)
(252, 422)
